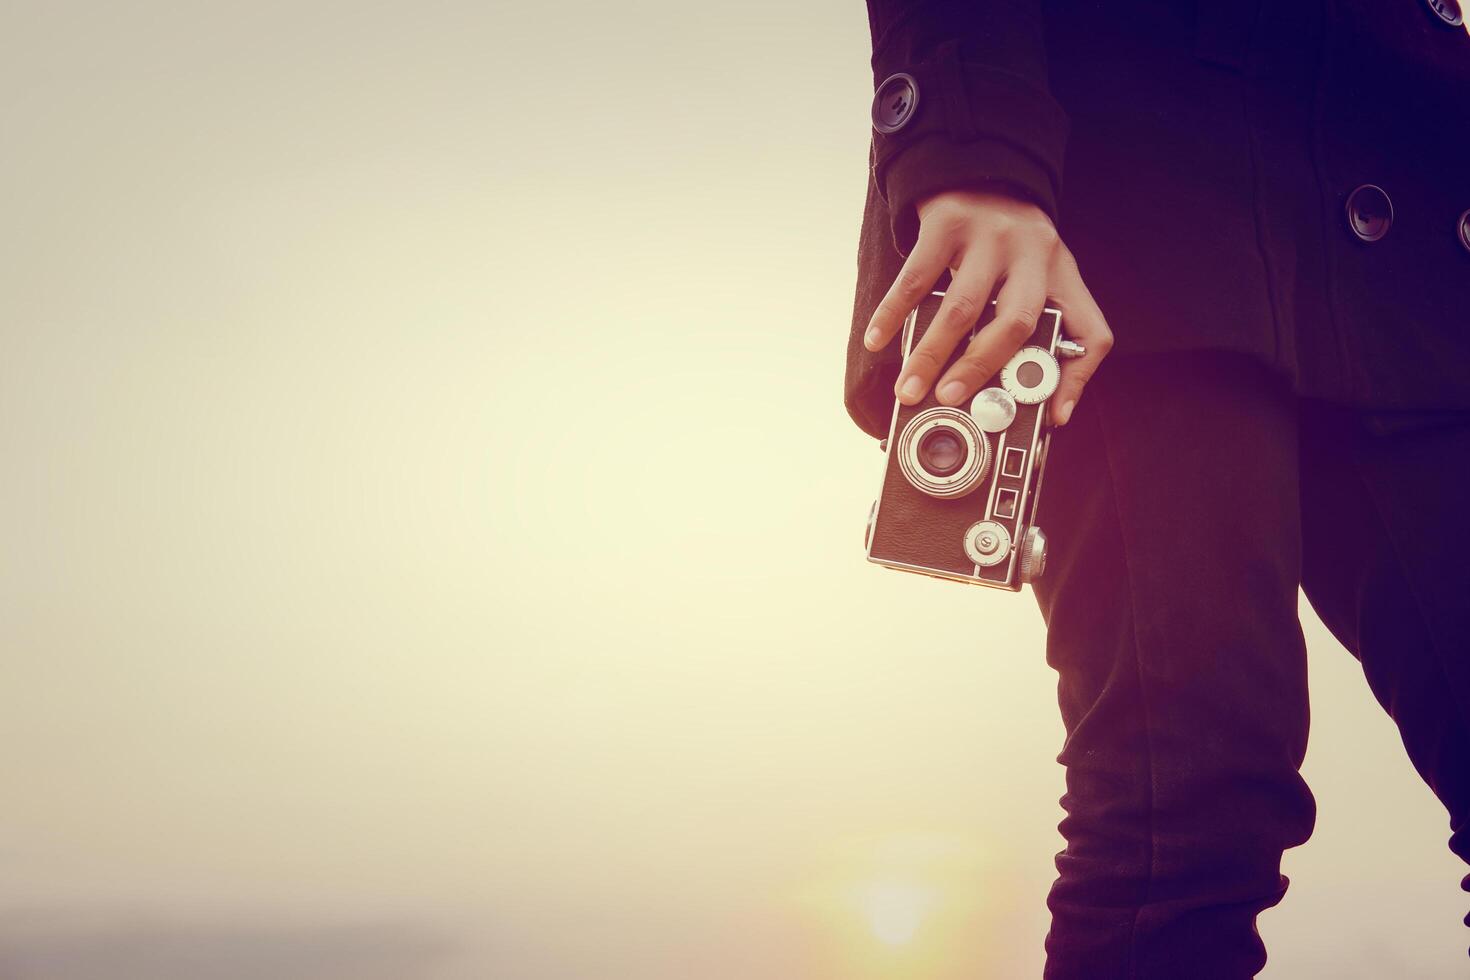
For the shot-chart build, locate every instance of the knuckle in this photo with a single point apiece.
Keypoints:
(1046, 236)
(909, 282)
(963, 310)
(948, 222)
(1103, 343)
(958, 217)
(975, 366)
(1020, 325)
(887, 312)
(923, 360)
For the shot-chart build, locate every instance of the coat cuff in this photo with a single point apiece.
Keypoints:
(965, 124)
(936, 164)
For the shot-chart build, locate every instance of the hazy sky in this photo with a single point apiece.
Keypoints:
(430, 533)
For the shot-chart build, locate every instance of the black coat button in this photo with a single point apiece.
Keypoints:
(1369, 212)
(1447, 11)
(1463, 226)
(895, 102)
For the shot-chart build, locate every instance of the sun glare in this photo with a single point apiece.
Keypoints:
(895, 910)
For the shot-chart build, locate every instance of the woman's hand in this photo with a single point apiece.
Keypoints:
(985, 238)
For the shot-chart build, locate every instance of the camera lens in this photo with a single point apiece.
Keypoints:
(942, 452)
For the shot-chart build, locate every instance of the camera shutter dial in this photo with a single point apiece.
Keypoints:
(1031, 376)
(987, 543)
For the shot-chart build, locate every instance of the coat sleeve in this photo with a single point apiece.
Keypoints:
(983, 112)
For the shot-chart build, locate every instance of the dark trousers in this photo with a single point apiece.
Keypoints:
(1186, 502)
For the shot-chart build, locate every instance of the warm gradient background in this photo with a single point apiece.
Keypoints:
(430, 533)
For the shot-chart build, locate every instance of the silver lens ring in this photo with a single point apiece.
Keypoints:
(969, 474)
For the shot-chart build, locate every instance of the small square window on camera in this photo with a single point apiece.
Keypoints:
(1015, 463)
(1005, 503)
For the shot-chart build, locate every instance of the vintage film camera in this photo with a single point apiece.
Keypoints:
(961, 484)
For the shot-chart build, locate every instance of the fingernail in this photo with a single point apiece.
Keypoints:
(1066, 413)
(952, 392)
(913, 387)
(870, 339)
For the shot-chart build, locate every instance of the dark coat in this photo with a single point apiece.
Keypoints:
(1201, 162)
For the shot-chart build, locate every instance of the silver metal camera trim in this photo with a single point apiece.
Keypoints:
(1040, 437)
(963, 480)
(1002, 462)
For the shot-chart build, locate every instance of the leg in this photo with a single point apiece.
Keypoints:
(1170, 602)
(1386, 545)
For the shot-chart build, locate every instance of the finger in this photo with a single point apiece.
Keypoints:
(1084, 322)
(961, 307)
(920, 270)
(1017, 308)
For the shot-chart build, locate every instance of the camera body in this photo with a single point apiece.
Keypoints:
(961, 484)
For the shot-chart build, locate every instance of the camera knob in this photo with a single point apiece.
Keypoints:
(987, 543)
(994, 409)
(1031, 375)
(1068, 349)
(1033, 555)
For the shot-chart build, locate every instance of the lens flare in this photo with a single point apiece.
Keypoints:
(895, 910)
